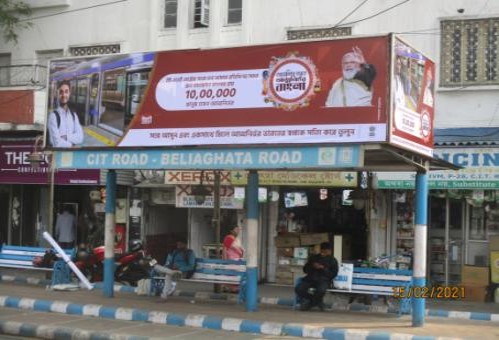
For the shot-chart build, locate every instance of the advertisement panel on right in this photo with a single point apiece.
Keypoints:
(413, 99)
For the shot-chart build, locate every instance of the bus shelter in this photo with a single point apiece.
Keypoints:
(361, 104)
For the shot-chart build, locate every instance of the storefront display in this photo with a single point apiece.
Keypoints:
(404, 218)
(293, 250)
(446, 233)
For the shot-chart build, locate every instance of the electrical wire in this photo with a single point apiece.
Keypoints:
(71, 11)
(376, 14)
(349, 14)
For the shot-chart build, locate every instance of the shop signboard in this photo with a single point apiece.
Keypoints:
(304, 157)
(196, 177)
(481, 171)
(413, 100)
(283, 178)
(16, 169)
(187, 197)
(288, 93)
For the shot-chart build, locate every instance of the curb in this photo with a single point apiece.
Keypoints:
(192, 320)
(481, 316)
(54, 332)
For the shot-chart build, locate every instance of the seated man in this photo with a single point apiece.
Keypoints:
(182, 259)
(180, 263)
(321, 269)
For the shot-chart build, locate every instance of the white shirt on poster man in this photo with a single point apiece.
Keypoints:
(68, 133)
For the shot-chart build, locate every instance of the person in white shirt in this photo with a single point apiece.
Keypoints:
(65, 229)
(63, 125)
(355, 87)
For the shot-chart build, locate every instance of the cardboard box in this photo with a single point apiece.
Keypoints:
(313, 239)
(283, 261)
(285, 252)
(475, 276)
(493, 242)
(298, 262)
(494, 266)
(289, 240)
(300, 253)
(475, 293)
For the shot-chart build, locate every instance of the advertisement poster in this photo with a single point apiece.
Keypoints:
(291, 93)
(413, 92)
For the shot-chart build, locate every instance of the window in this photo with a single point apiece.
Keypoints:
(201, 13)
(469, 52)
(319, 33)
(235, 12)
(170, 14)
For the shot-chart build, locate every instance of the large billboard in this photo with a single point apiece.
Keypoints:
(413, 99)
(332, 91)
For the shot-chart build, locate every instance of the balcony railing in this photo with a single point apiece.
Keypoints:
(23, 75)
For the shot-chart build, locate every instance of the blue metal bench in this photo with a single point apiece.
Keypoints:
(20, 257)
(378, 282)
(229, 272)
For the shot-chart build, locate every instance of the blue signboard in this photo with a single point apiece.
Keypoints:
(310, 157)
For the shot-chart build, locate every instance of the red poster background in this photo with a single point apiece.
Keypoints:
(326, 56)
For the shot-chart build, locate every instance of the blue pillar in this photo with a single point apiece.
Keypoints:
(252, 234)
(420, 237)
(109, 226)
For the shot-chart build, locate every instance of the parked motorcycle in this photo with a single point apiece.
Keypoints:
(130, 267)
(133, 266)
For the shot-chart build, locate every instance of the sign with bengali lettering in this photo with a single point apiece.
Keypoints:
(291, 178)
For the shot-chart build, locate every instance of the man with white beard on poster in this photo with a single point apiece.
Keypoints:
(355, 87)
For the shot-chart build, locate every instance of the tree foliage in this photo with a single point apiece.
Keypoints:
(12, 18)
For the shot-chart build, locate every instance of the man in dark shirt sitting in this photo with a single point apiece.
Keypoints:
(321, 269)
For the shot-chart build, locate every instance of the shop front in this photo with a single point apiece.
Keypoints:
(314, 206)
(25, 193)
(463, 211)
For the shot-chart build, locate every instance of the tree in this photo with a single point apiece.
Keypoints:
(11, 18)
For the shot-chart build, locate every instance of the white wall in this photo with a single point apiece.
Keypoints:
(136, 25)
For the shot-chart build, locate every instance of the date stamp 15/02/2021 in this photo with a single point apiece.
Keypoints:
(431, 292)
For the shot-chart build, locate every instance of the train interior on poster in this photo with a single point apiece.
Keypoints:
(105, 92)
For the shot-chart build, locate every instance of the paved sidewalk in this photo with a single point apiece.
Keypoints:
(227, 315)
